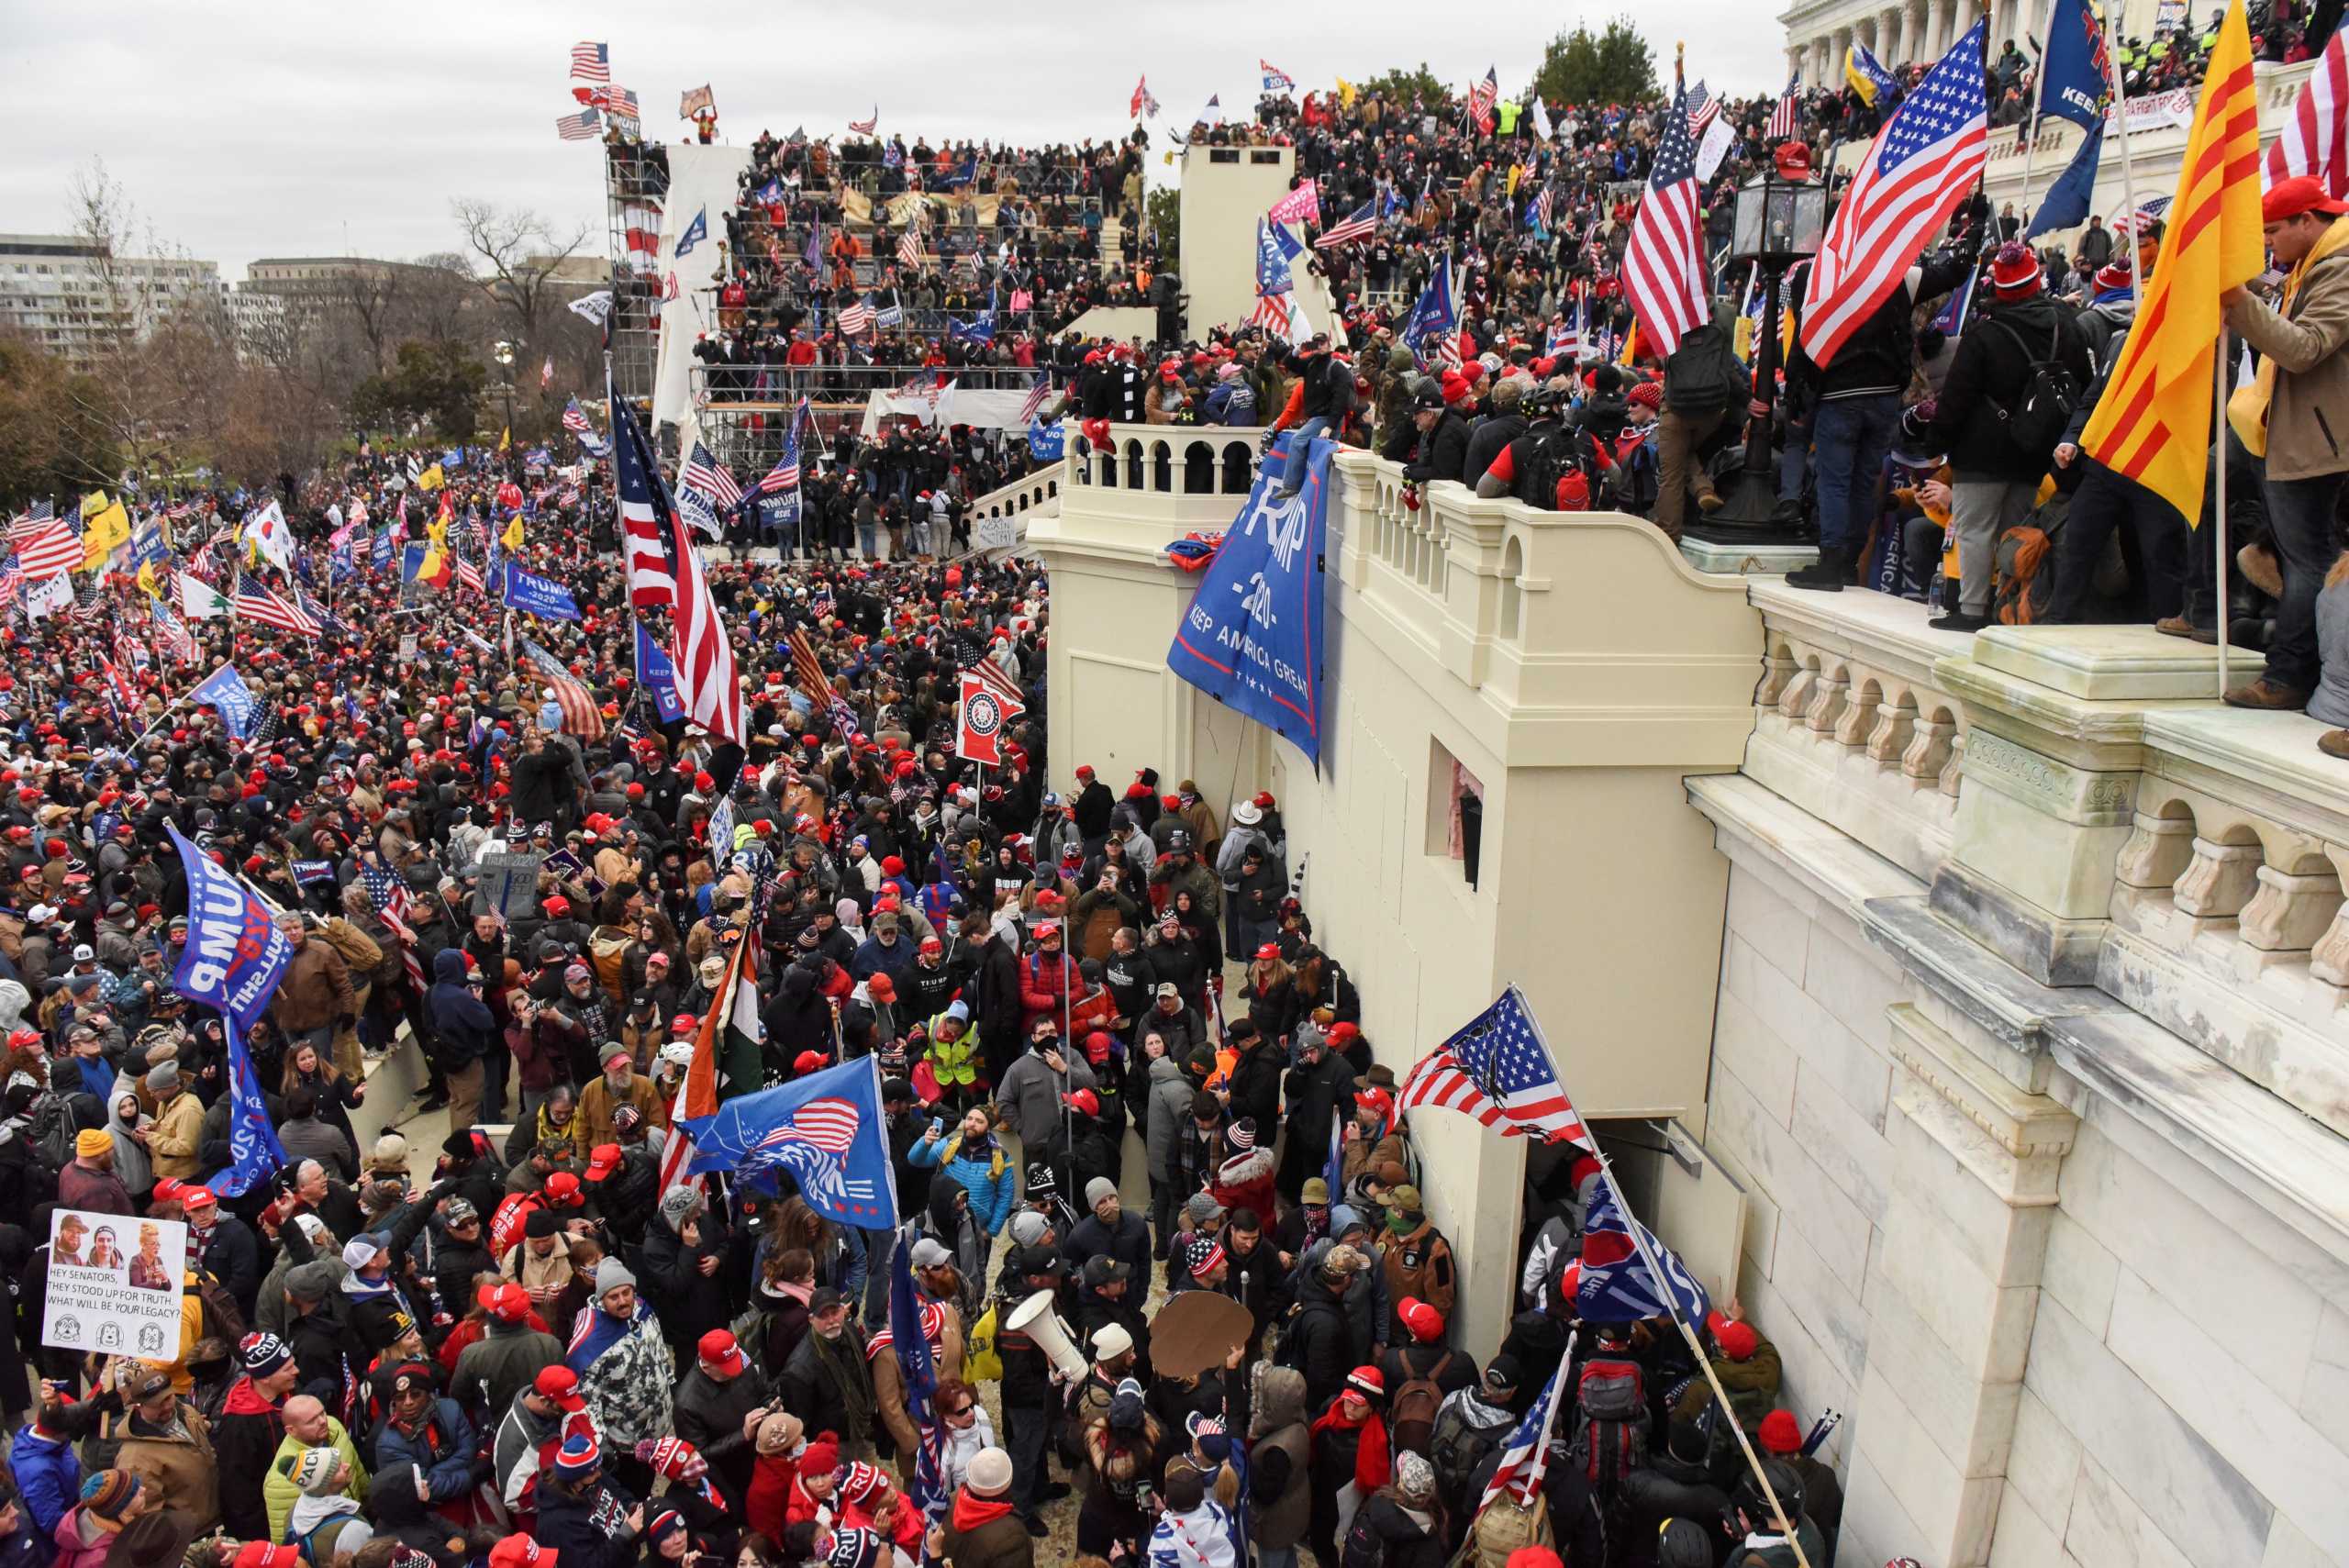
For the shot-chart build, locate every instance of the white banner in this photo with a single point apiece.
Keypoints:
(994, 533)
(113, 1285)
(2155, 112)
(1718, 139)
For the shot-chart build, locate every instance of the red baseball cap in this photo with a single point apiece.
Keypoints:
(2301, 193)
(261, 1554)
(602, 1161)
(562, 1189)
(514, 1551)
(509, 1302)
(719, 1353)
(560, 1384)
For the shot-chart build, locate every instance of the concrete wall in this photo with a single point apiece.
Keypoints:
(1224, 190)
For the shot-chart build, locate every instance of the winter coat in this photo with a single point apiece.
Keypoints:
(1170, 1108)
(246, 1438)
(178, 1460)
(709, 1415)
(692, 1303)
(1989, 374)
(506, 1360)
(315, 992)
(48, 1478)
(985, 1175)
(2305, 417)
(1029, 1096)
(1386, 1534)
(443, 1449)
(1320, 1343)
(587, 1530)
(460, 1020)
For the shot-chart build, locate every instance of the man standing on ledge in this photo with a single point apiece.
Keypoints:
(2297, 415)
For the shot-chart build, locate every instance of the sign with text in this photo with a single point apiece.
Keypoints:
(113, 1285)
(509, 883)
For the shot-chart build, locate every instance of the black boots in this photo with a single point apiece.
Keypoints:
(1828, 574)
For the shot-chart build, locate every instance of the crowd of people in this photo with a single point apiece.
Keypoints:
(1111, 1054)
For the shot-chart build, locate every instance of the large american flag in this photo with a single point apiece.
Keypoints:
(1702, 108)
(1525, 1458)
(390, 896)
(1920, 167)
(813, 683)
(1038, 395)
(1359, 224)
(581, 127)
(784, 475)
(1664, 266)
(575, 421)
(581, 716)
(1496, 1070)
(1482, 97)
(705, 473)
(50, 548)
(1786, 118)
(254, 601)
(2315, 140)
(865, 127)
(910, 246)
(591, 62)
(708, 682)
(171, 634)
(856, 319)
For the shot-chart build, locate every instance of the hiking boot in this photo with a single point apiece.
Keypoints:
(1787, 512)
(2178, 626)
(2259, 568)
(1826, 576)
(1709, 501)
(1957, 620)
(2334, 743)
(2266, 694)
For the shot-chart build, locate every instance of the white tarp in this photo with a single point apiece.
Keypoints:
(956, 405)
(700, 178)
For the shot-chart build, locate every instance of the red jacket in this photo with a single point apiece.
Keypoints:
(1044, 980)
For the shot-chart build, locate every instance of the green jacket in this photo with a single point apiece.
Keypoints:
(277, 1491)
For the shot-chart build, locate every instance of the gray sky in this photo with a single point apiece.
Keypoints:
(243, 129)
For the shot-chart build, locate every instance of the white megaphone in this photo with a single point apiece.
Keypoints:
(1036, 1319)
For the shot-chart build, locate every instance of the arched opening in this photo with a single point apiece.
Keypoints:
(1110, 467)
(1133, 465)
(1237, 461)
(1161, 468)
(1023, 502)
(1198, 468)
(1512, 594)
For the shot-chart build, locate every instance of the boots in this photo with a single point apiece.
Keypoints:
(1827, 574)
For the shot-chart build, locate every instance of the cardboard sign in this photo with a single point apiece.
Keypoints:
(113, 1285)
(509, 883)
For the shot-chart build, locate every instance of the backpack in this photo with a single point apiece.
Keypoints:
(1457, 1448)
(2023, 565)
(1504, 1526)
(54, 1133)
(1611, 1422)
(223, 1319)
(1703, 377)
(2038, 416)
(1410, 1418)
(1549, 462)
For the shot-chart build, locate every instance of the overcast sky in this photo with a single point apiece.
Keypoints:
(243, 129)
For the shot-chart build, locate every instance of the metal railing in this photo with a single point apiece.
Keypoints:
(781, 385)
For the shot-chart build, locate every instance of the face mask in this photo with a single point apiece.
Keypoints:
(1398, 1223)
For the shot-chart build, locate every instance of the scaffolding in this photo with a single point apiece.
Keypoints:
(636, 188)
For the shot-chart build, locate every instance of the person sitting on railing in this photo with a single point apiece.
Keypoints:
(1434, 445)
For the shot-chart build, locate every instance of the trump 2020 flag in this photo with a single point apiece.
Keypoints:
(825, 1128)
(224, 690)
(235, 956)
(920, 1372)
(1616, 1285)
(2074, 82)
(535, 596)
(1433, 315)
(1252, 638)
(658, 676)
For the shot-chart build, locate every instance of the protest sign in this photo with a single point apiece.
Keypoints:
(113, 1285)
(509, 883)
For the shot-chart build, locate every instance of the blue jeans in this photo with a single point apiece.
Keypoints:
(1794, 460)
(1849, 437)
(1300, 446)
(2299, 515)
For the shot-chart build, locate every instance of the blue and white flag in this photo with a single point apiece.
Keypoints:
(695, 232)
(2065, 205)
(535, 596)
(225, 690)
(1046, 443)
(2075, 82)
(1271, 261)
(1434, 315)
(379, 557)
(825, 1128)
(1252, 638)
(920, 1375)
(236, 954)
(1616, 1286)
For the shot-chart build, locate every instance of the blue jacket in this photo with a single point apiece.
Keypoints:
(987, 1178)
(872, 958)
(459, 1019)
(49, 1477)
(441, 1450)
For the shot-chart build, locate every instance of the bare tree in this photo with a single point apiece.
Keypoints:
(523, 253)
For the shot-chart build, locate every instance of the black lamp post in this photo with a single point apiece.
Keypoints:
(1779, 221)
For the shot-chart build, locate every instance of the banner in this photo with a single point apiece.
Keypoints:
(1252, 638)
(825, 1127)
(225, 690)
(114, 1283)
(987, 708)
(236, 952)
(658, 676)
(541, 597)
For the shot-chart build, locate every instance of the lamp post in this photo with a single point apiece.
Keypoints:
(1781, 216)
(503, 352)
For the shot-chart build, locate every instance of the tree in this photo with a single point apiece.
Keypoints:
(441, 382)
(1402, 86)
(523, 253)
(52, 441)
(1163, 207)
(1615, 66)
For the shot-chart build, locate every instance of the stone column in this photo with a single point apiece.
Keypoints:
(1894, 32)
(1970, 1198)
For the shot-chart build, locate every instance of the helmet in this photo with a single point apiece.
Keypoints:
(1754, 1503)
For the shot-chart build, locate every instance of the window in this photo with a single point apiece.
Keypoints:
(1455, 827)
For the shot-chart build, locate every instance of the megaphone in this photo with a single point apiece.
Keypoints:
(1036, 1319)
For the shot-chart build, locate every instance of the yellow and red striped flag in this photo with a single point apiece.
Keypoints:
(2153, 424)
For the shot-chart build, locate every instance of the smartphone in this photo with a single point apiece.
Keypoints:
(938, 1124)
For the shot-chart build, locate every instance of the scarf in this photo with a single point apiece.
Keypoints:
(971, 1512)
(2247, 408)
(855, 1385)
(1371, 1461)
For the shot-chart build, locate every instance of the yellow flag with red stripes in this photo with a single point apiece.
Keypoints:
(2153, 424)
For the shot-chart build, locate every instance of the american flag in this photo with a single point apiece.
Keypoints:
(784, 475)
(171, 633)
(2315, 140)
(705, 474)
(1663, 267)
(574, 421)
(708, 682)
(1786, 118)
(1272, 313)
(391, 898)
(813, 683)
(1004, 686)
(1525, 1458)
(581, 127)
(328, 620)
(1615, 1286)
(1702, 109)
(910, 246)
(50, 548)
(254, 601)
(668, 289)
(1920, 167)
(1038, 395)
(591, 62)
(1481, 99)
(618, 100)
(1496, 1070)
(581, 716)
(857, 319)
(1361, 224)
(468, 575)
(30, 522)
(865, 127)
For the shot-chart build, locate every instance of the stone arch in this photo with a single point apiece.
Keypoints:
(1198, 468)
(1512, 593)
(1162, 467)
(1237, 464)
(1134, 464)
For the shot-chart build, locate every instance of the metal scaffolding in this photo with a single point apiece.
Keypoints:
(636, 189)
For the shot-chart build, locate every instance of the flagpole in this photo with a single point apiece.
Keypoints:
(2219, 495)
(2128, 177)
(2031, 111)
(1633, 1229)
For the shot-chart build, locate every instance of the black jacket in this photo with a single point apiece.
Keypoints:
(1318, 1342)
(1489, 437)
(1880, 355)
(1440, 452)
(1989, 374)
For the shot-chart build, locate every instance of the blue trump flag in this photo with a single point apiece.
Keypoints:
(920, 1370)
(658, 676)
(1046, 443)
(1433, 315)
(1271, 261)
(825, 1128)
(2074, 75)
(2065, 205)
(695, 232)
(1252, 638)
(541, 597)
(225, 690)
(236, 954)
(1615, 1286)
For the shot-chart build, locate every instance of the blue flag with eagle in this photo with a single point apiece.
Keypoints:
(825, 1128)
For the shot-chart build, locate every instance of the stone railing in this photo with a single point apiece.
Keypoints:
(2078, 801)
(1191, 474)
(1022, 495)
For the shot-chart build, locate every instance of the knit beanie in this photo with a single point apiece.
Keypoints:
(106, 1494)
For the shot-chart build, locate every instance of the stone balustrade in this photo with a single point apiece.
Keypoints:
(1023, 495)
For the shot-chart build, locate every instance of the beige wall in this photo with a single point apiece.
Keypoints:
(1220, 204)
